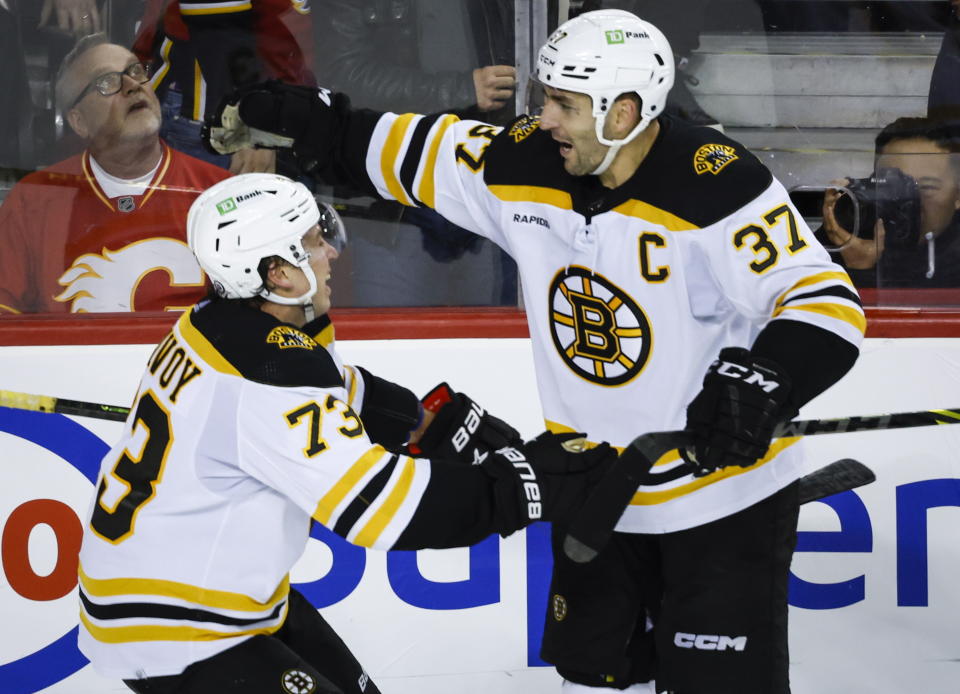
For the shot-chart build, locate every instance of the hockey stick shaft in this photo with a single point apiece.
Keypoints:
(45, 403)
(842, 425)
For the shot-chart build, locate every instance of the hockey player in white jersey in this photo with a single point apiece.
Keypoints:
(669, 283)
(246, 426)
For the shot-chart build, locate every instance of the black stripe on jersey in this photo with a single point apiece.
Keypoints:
(408, 170)
(362, 501)
(151, 610)
(652, 479)
(835, 290)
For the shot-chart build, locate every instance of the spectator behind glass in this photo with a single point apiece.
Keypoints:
(422, 56)
(944, 99)
(199, 51)
(104, 229)
(927, 152)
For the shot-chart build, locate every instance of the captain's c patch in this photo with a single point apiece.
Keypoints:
(712, 158)
(286, 337)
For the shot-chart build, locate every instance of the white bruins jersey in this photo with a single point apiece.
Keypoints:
(205, 503)
(630, 293)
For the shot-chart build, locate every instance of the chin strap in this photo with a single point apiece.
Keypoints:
(614, 145)
(607, 159)
(302, 300)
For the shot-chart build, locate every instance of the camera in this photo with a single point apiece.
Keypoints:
(887, 194)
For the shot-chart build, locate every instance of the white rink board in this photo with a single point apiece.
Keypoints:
(898, 633)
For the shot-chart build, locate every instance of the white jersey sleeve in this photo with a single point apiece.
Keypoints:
(436, 161)
(768, 264)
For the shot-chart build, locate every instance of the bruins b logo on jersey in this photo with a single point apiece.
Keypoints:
(598, 329)
(523, 127)
(712, 158)
(286, 337)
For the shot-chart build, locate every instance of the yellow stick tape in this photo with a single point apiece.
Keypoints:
(26, 401)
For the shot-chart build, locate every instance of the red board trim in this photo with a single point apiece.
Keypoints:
(394, 324)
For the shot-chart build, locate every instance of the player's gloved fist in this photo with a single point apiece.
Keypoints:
(273, 115)
(568, 470)
(733, 417)
(545, 479)
(461, 429)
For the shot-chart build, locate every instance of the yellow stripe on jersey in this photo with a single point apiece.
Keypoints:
(195, 9)
(325, 337)
(201, 345)
(164, 68)
(348, 481)
(352, 393)
(546, 196)
(847, 314)
(427, 191)
(166, 158)
(654, 215)
(653, 498)
(198, 90)
(390, 155)
(206, 597)
(381, 519)
(152, 632)
(92, 181)
(815, 279)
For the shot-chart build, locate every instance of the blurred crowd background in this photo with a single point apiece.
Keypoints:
(854, 106)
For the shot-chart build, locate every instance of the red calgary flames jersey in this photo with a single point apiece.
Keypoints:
(69, 247)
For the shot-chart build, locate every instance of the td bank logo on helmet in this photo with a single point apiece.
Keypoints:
(230, 204)
(709, 642)
(620, 36)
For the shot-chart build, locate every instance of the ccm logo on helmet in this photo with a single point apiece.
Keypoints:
(525, 472)
(709, 642)
(754, 378)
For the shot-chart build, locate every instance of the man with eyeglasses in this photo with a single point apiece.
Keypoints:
(104, 229)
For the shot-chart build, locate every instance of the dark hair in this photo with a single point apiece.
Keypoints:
(263, 267)
(944, 132)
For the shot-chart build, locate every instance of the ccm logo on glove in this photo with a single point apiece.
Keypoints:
(754, 377)
(531, 487)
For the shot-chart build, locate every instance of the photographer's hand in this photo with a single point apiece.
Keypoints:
(858, 253)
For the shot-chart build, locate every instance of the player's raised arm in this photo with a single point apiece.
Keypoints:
(435, 161)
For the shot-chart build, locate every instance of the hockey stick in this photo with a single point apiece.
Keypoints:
(45, 403)
(593, 525)
(839, 476)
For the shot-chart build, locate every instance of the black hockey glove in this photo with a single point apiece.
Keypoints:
(274, 115)
(733, 417)
(461, 429)
(548, 478)
(569, 470)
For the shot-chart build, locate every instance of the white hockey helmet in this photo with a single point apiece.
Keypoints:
(241, 220)
(604, 54)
